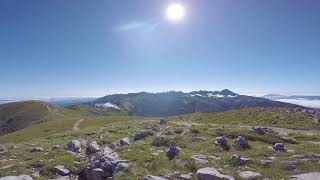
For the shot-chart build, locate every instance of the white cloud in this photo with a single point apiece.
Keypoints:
(302, 102)
(145, 25)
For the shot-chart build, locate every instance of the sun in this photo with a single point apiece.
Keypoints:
(175, 12)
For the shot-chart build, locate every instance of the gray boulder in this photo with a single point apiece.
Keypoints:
(2, 150)
(61, 170)
(21, 177)
(120, 143)
(92, 147)
(222, 142)
(279, 147)
(242, 142)
(212, 174)
(258, 130)
(173, 150)
(74, 146)
(142, 134)
(250, 175)
(238, 160)
(104, 164)
(199, 158)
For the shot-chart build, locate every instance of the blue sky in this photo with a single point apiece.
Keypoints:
(92, 48)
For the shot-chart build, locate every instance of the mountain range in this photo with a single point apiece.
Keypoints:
(177, 103)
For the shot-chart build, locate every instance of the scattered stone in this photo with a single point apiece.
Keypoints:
(290, 165)
(279, 147)
(307, 176)
(266, 163)
(222, 142)
(37, 149)
(200, 158)
(250, 175)
(173, 150)
(242, 142)
(211, 174)
(149, 177)
(120, 143)
(237, 159)
(14, 147)
(2, 150)
(74, 146)
(171, 176)
(55, 148)
(105, 163)
(142, 134)
(125, 141)
(186, 176)
(61, 170)
(21, 177)
(258, 130)
(92, 147)
(163, 121)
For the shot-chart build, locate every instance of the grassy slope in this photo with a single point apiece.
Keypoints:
(255, 117)
(107, 129)
(18, 115)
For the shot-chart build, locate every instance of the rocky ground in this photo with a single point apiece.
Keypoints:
(159, 149)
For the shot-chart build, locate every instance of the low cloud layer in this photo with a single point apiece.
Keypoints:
(302, 102)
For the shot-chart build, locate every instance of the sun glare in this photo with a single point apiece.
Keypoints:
(175, 12)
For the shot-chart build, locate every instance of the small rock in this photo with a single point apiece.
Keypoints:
(160, 141)
(74, 146)
(242, 142)
(55, 148)
(266, 163)
(142, 134)
(258, 130)
(211, 174)
(237, 159)
(125, 142)
(199, 158)
(186, 176)
(93, 147)
(61, 170)
(37, 149)
(279, 147)
(250, 175)
(14, 147)
(173, 150)
(222, 142)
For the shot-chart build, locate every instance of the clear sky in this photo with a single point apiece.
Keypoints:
(91, 48)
